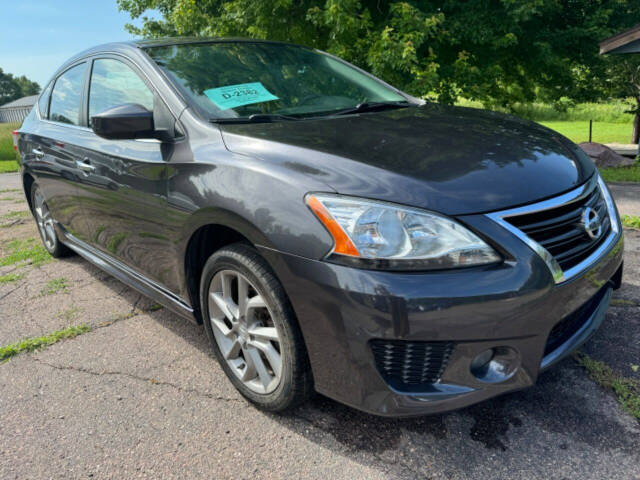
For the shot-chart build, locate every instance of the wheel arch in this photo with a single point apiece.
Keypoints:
(209, 231)
(27, 182)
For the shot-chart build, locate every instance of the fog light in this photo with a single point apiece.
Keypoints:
(495, 364)
(482, 360)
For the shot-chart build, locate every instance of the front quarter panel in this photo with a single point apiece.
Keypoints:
(262, 201)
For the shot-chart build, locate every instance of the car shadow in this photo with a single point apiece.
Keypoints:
(557, 420)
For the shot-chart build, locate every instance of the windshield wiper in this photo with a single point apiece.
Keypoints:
(373, 106)
(255, 118)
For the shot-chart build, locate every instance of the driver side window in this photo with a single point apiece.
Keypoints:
(114, 83)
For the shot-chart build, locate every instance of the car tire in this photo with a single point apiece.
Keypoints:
(45, 224)
(266, 311)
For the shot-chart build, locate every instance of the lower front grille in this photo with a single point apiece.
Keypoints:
(410, 366)
(569, 325)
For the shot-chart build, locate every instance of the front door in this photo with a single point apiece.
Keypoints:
(124, 188)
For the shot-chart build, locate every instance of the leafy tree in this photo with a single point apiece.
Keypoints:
(27, 87)
(12, 88)
(496, 51)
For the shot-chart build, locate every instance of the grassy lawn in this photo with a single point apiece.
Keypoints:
(603, 132)
(7, 154)
(623, 174)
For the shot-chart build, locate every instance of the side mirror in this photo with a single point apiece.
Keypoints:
(123, 122)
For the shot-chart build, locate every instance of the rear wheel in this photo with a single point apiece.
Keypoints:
(253, 330)
(45, 224)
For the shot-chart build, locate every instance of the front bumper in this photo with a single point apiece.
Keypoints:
(515, 305)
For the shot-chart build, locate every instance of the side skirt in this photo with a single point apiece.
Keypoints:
(129, 276)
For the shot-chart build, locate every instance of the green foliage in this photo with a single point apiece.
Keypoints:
(55, 285)
(10, 278)
(15, 214)
(496, 51)
(631, 221)
(31, 344)
(626, 390)
(29, 250)
(9, 166)
(613, 111)
(12, 88)
(6, 141)
(622, 174)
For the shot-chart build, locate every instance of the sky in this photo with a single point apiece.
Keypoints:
(37, 36)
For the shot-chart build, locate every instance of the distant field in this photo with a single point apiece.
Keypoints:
(610, 112)
(7, 154)
(611, 123)
(603, 132)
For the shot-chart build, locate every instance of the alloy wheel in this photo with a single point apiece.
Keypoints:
(244, 330)
(44, 221)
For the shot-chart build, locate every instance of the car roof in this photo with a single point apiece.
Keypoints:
(167, 41)
(134, 46)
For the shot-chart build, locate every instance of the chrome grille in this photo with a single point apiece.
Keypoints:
(554, 228)
(410, 366)
(560, 232)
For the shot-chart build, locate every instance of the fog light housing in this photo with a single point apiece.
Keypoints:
(495, 365)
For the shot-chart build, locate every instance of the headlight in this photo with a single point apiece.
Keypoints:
(382, 235)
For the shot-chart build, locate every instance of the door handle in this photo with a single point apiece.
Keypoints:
(85, 166)
(38, 153)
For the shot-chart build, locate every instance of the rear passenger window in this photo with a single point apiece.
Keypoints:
(66, 95)
(113, 83)
(43, 102)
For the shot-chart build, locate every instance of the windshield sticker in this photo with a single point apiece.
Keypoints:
(233, 96)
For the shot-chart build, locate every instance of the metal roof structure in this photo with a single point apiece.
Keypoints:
(624, 42)
(17, 111)
(21, 102)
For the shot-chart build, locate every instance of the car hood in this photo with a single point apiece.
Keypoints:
(447, 159)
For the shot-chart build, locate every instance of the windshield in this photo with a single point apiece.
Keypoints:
(240, 79)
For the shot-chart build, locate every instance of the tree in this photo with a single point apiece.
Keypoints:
(12, 88)
(496, 51)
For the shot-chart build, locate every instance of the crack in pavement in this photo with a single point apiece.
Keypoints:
(132, 376)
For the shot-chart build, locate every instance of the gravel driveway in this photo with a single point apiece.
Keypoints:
(140, 396)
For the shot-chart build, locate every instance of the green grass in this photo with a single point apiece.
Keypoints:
(6, 141)
(31, 344)
(610, 122)
(55, 285)
(622, 174)
(621, 302)
(16, 214)
(610, 112)
(8, 166)
(69, 315)
(10, 278)
(631, 221)
(627, 390)
(603, 132)
(29, 250)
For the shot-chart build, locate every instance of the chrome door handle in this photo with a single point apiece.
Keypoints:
(38, 153)
(85, 166)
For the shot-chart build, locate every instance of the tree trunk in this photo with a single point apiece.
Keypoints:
(636, 128)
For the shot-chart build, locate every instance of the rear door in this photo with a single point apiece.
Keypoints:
(124, 191)
(54, 141)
